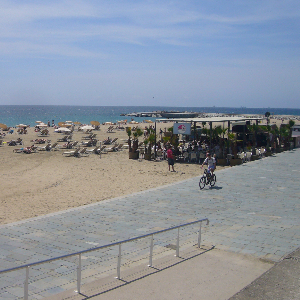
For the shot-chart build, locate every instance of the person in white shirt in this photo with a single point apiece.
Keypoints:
(211, 163)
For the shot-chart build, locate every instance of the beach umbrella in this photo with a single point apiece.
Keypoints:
(21, 125)
(38, 122)
(86, 127)
(77, 123)
(41, 125)
(63, 124)
(95, 123)
(3, 126)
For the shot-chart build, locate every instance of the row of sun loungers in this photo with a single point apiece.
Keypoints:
(49, 147)
(66, 138)
(109, 141)
(90, 143)
(110, 129)
(97, 150)
(90, 136)
(76, 153)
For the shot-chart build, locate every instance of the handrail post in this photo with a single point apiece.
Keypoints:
(26, 284)
(199, 236)
(177, 244)
(79, 274)
(151, 251)
(119, 263)
(119, 243)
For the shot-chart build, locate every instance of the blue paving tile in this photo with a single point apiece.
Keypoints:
(253, 209)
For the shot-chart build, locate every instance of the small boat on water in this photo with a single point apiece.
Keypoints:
(175, 114)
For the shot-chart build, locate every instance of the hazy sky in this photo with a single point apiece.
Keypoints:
(171, 53)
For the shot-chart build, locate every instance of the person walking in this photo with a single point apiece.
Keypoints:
(170, 157)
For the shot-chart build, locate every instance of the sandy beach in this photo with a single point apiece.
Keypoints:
(46, 181)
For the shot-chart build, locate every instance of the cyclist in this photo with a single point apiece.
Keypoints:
(211, 163)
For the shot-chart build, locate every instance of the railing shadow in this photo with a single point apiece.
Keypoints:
(126, 278)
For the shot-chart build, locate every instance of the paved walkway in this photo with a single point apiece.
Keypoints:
(253, 209)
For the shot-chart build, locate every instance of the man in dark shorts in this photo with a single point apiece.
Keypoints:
(170, 157)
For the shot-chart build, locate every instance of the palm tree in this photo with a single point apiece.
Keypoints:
(267, 115)
(129, 132)
(232, 140)
(149, 140)
(268, 130)
(136, 134)
(134, 145)
(253, 129)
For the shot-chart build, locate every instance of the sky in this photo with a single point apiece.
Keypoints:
(199, 53)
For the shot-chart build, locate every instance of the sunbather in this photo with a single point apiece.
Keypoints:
(26, 150)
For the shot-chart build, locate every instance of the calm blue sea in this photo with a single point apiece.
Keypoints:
(11, 115)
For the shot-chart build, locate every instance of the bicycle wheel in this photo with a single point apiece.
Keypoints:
(213, 180)
(202, 182)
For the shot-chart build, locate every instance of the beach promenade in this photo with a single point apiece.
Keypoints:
(254, 222)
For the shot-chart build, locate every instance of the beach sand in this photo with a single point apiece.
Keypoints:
(45, 182)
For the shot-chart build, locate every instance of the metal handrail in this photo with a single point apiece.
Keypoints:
(28, 266)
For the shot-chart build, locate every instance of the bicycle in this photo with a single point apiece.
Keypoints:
(207, 179)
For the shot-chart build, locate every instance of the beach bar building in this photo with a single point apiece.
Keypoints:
(229, 120)
(296, 135)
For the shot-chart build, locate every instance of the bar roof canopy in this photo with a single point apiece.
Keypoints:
(213, 119)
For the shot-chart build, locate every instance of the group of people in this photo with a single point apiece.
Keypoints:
(210, 161)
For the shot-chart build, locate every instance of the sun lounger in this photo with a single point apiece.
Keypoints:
(110, 129)
(82, 152)
(90, 143)
(90, 136)
(101, 150)
(69, 145)
(109, 142)
(77, 152)
(54, 147)
(44, 148)
(119, 147)
(66, 138)
(72, 153)
(94, 150)
(114, 148)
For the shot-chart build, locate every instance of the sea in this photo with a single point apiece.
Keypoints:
(12, 115)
